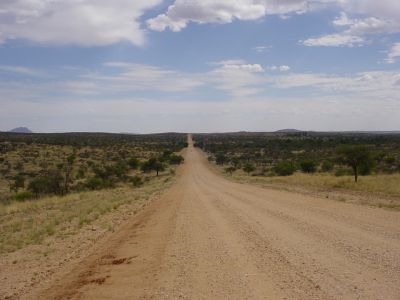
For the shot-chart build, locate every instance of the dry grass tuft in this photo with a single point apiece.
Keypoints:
(385, 189)
(27, 223)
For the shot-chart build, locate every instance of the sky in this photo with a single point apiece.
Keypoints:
(143, 66)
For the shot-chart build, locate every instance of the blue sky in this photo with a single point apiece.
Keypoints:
(199, 66)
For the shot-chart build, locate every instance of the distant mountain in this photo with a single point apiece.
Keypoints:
(21, 130)
(289, 130)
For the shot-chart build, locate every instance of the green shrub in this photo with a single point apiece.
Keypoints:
(308, 166)
(23, 196)
(50, 183)
(167, 153)
(327, 166)
(95, 183)
(175, 159)
(136, 181)
(390, 159)
(230, 170)
(366, 168)
(81, 172)
(284, 168)
(119, 169)
(248, 168)
(133, 163)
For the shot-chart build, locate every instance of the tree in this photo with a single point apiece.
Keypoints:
(95, 183)
(248, 168)
(52, 183)
(167, 153)
(220, 159)
(153, 165)
(284, 168)
(308, 166)
(175, 159)
(38, 186)
(119, 169)
(133, 163)
(355, 156)
(327, 166)
(230, 170)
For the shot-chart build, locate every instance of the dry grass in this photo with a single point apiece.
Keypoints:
(378, 184)
(376, 190)
(30, 222)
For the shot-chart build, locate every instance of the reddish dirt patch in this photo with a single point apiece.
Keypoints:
(98, 281)
(119, 261)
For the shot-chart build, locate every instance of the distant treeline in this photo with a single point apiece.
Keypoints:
(35, 165)
(177, 140)
(284, 153)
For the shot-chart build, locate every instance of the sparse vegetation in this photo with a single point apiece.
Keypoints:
(58, 164)
(323, 161)
(51, 185)
(31, 222)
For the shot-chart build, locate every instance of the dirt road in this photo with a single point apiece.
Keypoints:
(209, 238)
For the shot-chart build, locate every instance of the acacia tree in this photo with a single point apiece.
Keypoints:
(153, 165)
(308, 166)
(220, 159)
(355, 156)
(230, 170)
(248, 168)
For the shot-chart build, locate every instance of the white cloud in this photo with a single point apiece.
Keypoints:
(335, 40)
(139, 77)
(18, 70)
(206, 11)
(120, 96)
(380, 15)
(262, 49)
(236, 77)
(378, 84)
(131, 114)
(80, 22)
(343, 20)
(374, 17)
(181, 12)
(239, 65)
(394, 54)
(372, 25)
(282, 68)
(384, 9)
(369, 25)
(355, 32)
